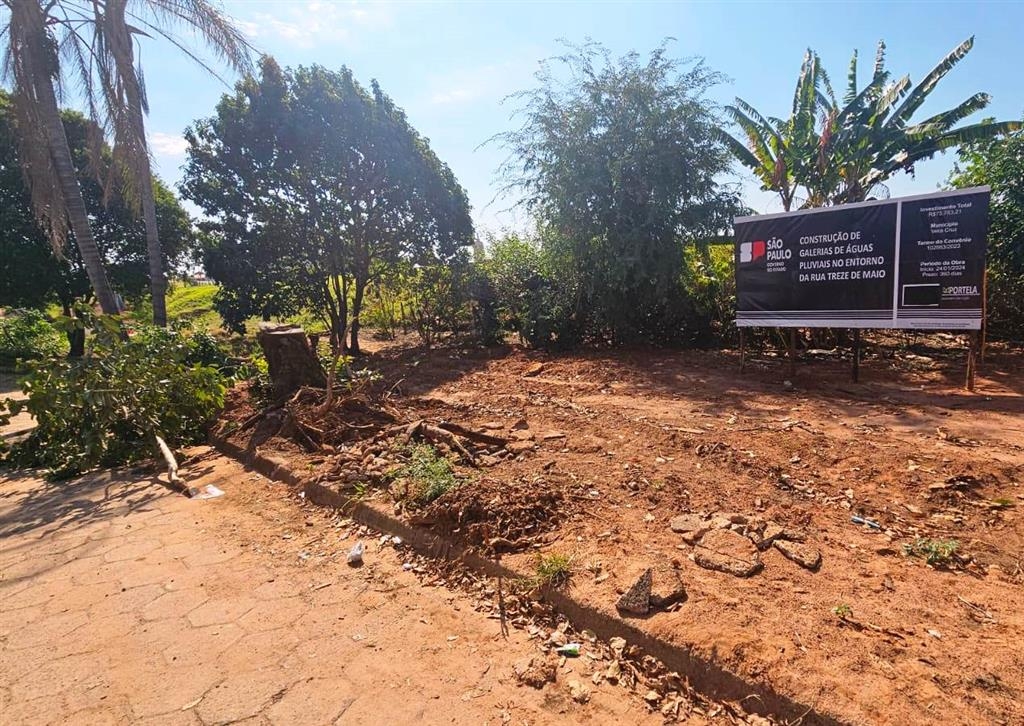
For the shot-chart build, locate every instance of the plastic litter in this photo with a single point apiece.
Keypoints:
(355, 555)
(569, 649)
(869, 522)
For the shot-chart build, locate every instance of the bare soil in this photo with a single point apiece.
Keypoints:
(606, 448)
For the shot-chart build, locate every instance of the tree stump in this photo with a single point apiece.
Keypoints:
(292, 361)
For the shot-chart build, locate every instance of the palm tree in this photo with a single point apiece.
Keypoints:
(115, 26)
(30, 62)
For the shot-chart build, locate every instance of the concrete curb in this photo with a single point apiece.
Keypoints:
(705, 676)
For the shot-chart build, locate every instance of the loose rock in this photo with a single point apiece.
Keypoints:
(355, 555)
(689, 525)
(667, 586)
(533, 369)
(766, 539)
(578, 692)
(726, 551)
(802, 554)
(519, 447)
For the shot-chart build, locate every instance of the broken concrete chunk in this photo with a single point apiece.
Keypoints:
(658, 587)
(667, 586)
(726, 551)
(689, 524)
(772, 532)
(637, 599)
(802, 554)
(720, 521)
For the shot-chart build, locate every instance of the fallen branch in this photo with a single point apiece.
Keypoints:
(172, 464)
(440, 436)
(472, 435)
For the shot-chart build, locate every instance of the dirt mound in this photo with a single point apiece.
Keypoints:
(501, 515)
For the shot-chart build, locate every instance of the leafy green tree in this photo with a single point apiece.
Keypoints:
(620, 161)
(315, 186)
(103, 409)
(856, 145)
(32, 275)
(1000, 164)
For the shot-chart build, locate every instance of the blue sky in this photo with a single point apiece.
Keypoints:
(450, 65)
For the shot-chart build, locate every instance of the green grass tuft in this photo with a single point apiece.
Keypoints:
(554, 569)
(940, 552)
(430, 473)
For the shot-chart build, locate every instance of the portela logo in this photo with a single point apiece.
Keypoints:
(752, 251)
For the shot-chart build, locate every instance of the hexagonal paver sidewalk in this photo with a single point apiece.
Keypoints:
(122, 602)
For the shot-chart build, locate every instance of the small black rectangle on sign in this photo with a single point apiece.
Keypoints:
(919, 296)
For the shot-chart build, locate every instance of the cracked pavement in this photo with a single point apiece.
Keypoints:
(123, 602)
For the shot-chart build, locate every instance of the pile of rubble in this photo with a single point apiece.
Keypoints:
(732, 542)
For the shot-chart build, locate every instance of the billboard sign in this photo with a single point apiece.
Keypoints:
(915, 262)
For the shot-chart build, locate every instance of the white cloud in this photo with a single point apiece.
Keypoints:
(310, 24)
(167, 144)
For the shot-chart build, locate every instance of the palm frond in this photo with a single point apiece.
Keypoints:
(923, 89)
(738, 149)
(30, 60)
(851, 81)
(880, 75)
(977, 132)
(213, 27)
(948, 119)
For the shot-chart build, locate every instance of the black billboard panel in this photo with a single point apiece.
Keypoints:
(916, 262)
(942, 260)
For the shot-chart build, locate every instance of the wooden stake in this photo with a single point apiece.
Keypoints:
(792, 353)
(743, 351)
(972, 360)
(856, 355)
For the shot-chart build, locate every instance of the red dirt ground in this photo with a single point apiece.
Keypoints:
(653, 434)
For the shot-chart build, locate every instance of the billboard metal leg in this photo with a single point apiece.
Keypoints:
(792, 353)
(856, 355)
(972, 360)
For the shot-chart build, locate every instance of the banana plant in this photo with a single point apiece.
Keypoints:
(845, 152)
(778, 151)
(872, 137)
